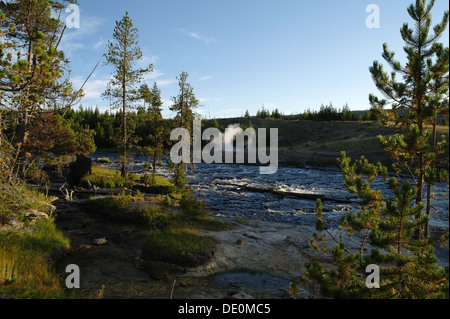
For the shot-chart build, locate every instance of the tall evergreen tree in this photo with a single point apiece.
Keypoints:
(158, 128)
(417, 93)
(156, 97)
(32, 68)
(390, 224)
(185, 103)
(145, 94)
(123, 54)
(381, 234)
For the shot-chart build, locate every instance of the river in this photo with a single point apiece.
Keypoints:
(226, 195)
(276, 253)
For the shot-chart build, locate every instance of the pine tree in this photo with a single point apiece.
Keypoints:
(389, 224)
(385, 226)
(123, 54)
(185, 103)
(32, 68)
(416, 100)
(159, 131)
(156, 97)
(145, 95)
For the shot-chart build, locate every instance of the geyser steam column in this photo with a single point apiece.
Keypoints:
(212, 153)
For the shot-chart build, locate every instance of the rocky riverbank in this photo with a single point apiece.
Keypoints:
(280, 250)
(258, 259)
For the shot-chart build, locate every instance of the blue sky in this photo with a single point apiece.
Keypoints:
(242, 54)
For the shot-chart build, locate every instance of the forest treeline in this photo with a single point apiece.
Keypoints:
(325, 113)
(104, 126)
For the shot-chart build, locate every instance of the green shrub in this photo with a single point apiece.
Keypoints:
(157, 185)
(25, 271)
(157, 218)
(191, 206)
(148, 180)
(167, 201)
(107, 178)
(180, 247)
(179, 178)
(45, 239)
(111, 204)
(20, 198)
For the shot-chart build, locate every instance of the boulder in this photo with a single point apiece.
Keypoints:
(14, 223)
(46, 208)
(34, 215)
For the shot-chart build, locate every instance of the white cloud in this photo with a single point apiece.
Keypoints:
(153, 75)
(93, 89)
(100, 44)
(205, 78)
(198, 36)
(75, 39)
(194, 35)
(207, 99)
(161, 83)
(96, 86)
(146, 60)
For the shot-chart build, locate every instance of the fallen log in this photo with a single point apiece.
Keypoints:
(310, 196)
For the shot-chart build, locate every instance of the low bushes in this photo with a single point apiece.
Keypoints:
(154, 184)
(16, 199)
(118, 203)
(176, 236)
(192, 207)
(25, 267)
(182, 247)
(107, 178)
(25, 270)
(118, 207)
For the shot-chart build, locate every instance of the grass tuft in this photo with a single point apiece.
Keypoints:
(108, 178)
(25, 270)
(182, 247)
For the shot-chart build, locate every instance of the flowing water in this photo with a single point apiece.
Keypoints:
(227, 196)
(230, 192)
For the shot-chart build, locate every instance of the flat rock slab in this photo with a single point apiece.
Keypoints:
(280, 250)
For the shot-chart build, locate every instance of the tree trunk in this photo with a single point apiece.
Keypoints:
(154, 160)
(433, 166)
(419, 198)
(182, 107)
(420, 179)
(124, 131)
(25, 120)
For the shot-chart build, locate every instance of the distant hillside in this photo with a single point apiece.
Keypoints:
(320, 143)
